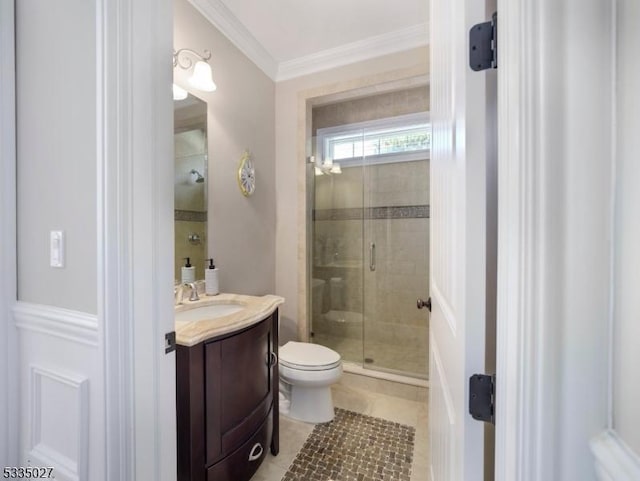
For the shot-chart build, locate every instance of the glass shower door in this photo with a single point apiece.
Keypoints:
(396, 250)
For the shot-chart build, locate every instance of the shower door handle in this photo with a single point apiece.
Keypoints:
(372, 256)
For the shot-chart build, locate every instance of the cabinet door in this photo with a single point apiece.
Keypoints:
(244, 392)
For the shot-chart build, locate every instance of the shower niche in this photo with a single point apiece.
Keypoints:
(369, 234)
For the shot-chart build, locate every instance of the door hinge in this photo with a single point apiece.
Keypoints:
(169, 342)
(482, 398)
(483, 45)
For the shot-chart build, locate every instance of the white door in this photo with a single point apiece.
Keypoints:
(458, 248)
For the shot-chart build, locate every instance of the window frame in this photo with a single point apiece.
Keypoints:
(325, 135)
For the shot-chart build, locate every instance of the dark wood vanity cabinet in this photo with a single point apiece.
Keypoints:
(227, 403)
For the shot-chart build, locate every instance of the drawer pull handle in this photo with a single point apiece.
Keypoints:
(256, 452)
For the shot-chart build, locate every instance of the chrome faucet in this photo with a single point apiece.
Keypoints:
(193, 296)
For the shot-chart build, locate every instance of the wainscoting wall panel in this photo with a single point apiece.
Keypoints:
(61, 392)
(59, 409)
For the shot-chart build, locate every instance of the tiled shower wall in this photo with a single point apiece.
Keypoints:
(373, 313)
(390, 104)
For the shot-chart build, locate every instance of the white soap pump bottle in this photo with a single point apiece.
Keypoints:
(211, 283)
(188, 272)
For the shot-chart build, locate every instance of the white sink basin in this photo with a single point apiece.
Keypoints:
(206, 313)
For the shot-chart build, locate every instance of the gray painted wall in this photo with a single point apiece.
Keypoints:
(56, 150)
(241, 115)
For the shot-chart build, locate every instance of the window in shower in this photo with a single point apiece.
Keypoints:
(370, 249)
(396, 139)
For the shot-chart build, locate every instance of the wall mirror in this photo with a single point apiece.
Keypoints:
(190, 178)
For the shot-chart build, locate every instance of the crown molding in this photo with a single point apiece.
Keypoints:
(224, 20)
(388, 43)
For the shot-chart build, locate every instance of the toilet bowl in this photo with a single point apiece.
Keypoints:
(309, 370)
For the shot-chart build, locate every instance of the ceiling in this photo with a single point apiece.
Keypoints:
(287, 38)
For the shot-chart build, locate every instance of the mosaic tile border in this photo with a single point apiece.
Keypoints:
(384, 212)
(355, 447)
(189, 215)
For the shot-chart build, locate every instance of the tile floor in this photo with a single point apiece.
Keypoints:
(355, 447)
(397, 409)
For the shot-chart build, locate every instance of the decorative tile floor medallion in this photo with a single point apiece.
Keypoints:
(355, 447)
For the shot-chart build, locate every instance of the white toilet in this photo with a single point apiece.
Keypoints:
(308, 371)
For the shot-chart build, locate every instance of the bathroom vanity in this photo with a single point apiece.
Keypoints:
(227, 386)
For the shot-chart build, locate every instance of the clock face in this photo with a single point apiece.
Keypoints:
(246, 175)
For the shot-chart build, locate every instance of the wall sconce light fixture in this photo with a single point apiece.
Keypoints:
(200, 76)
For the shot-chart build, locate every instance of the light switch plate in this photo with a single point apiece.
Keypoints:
(56, 242)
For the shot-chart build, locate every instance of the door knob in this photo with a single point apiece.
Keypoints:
(426, 304)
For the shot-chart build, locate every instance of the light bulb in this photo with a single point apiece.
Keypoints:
(179, 93)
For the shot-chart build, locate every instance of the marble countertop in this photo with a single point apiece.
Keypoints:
(190, 333)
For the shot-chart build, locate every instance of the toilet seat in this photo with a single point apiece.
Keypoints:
(305, 356)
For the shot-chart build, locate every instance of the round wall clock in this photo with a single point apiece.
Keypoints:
(246, 175)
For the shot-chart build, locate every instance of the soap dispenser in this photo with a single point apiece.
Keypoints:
(211, 284)
(188, 272)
